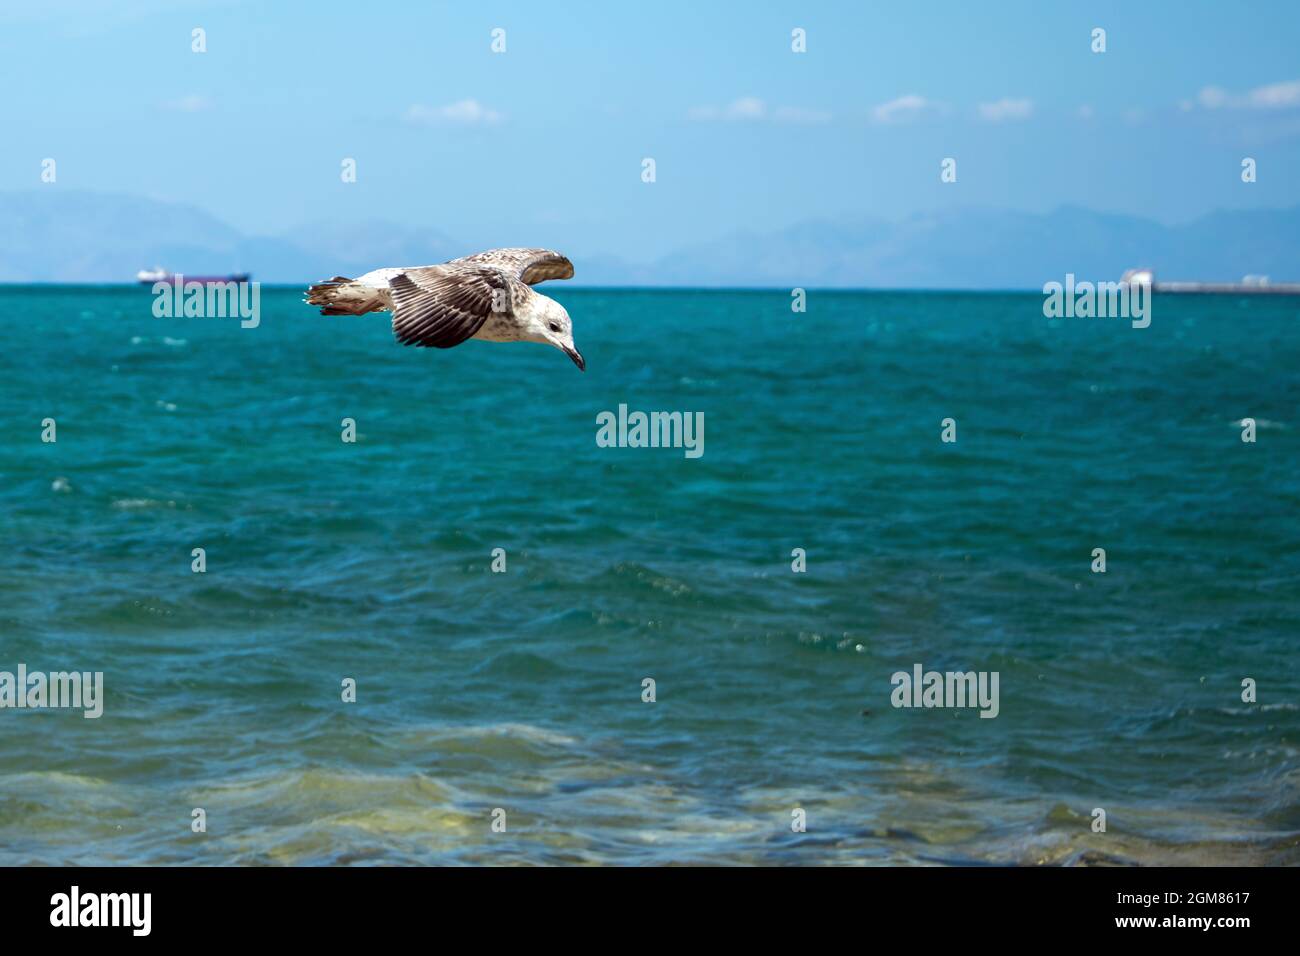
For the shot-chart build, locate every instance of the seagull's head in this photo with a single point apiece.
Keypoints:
(551, 326)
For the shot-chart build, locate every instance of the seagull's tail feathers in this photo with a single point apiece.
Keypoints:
(343, 296)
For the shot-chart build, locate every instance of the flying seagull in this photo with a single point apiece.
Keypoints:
(484, 296)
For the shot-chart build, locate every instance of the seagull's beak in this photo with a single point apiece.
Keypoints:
(578, 360)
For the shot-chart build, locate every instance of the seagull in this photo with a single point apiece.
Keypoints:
(485, 296)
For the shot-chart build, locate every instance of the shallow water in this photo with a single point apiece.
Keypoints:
(522, 690)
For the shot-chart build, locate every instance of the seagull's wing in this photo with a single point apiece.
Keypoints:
(530, 266)
(442, 306)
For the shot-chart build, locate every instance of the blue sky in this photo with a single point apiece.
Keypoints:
(543, 144)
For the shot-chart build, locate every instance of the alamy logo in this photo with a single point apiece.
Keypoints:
(949, 689)
(33, 690)
(1101, 300)
(174, 297)
(653, 430)
(103, 909)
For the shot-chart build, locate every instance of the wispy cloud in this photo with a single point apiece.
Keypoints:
(463, 112)
(189, 104)
(1273, 96)
(753, 109)
(745, 108)
(796, 114)
(1000, 111)
(901, 109)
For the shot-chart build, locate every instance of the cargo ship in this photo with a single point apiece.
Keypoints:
(151, 276)
(1250, 285)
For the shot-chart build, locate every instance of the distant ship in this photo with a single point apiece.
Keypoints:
(150, 276)
(1250, 285)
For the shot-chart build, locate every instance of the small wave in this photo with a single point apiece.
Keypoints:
(518, 664)
(1257, 708)
(133, 504)
(45, 780)
(529, 732)
(514, 746)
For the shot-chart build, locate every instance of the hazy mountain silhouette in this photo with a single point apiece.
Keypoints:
(58, 235)
(995, 249)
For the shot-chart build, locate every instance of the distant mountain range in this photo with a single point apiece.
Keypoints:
(57, 235)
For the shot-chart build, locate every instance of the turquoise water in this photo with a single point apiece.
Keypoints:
(522, 690)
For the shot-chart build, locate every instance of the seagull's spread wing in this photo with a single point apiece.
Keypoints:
(530, 266)
(442, 306)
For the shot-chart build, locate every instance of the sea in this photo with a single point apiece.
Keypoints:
(476, 635)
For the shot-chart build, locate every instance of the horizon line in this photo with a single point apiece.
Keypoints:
(1019, 290)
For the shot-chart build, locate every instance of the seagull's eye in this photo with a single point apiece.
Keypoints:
(554, 327)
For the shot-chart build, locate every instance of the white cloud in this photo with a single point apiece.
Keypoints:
(464, 112)
(1006, 109)
(1272, 96)
(902, 108)
(1275, 96)
(1212, 97)
(753, 109)
(747, 107)
(189, 104)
